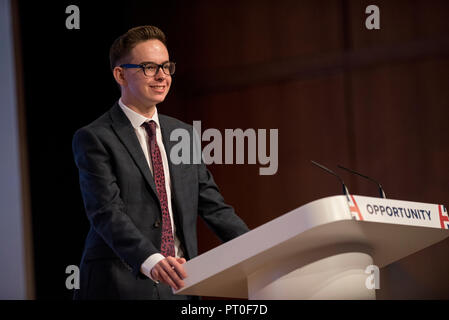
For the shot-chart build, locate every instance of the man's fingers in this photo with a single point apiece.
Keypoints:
(171, 272)
(177, 266)
(168, 280)
(174, 273)
(161, 275)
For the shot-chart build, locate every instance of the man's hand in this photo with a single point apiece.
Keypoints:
(170, 271)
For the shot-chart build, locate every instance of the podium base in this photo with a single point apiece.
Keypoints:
(341, 276)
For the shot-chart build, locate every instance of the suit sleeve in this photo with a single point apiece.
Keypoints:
(219, 216)
(104, 206)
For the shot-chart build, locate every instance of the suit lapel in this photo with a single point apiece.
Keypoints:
(166, 130)
(175, 171)
(125, 131)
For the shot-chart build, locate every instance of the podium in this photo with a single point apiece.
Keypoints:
(330, 248)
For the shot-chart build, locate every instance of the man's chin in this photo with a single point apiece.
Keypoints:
(157, 101)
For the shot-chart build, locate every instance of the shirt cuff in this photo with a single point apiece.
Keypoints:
(149, 264)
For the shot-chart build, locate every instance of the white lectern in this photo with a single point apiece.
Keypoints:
(325, 249)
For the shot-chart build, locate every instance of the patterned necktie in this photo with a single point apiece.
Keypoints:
(167, 243)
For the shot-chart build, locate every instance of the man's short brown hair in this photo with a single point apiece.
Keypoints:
(122, 46)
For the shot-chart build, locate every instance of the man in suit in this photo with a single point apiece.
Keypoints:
(142, 207)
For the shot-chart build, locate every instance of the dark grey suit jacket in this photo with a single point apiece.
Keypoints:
(124, 211)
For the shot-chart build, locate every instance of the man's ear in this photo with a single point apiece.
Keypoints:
(119, 75)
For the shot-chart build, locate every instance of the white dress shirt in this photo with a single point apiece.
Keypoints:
(137, 120)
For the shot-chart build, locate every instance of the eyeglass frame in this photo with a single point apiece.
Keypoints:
(144, 64)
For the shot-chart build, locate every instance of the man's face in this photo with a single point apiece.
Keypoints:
(139, 89)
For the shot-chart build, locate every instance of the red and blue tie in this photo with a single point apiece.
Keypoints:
(167, 241)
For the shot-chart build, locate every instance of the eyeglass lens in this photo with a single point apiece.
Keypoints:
(151, 69)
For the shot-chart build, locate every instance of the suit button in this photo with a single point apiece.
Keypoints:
(157, 224)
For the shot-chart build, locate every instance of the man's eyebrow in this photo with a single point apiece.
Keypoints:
(147, 62)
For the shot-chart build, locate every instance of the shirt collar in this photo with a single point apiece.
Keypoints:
(137, 119)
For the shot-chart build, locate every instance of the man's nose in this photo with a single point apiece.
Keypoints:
(159, 75)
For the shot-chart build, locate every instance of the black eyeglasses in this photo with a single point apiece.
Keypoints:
(151, 68)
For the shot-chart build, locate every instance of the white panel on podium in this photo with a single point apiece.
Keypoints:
(318, 251)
